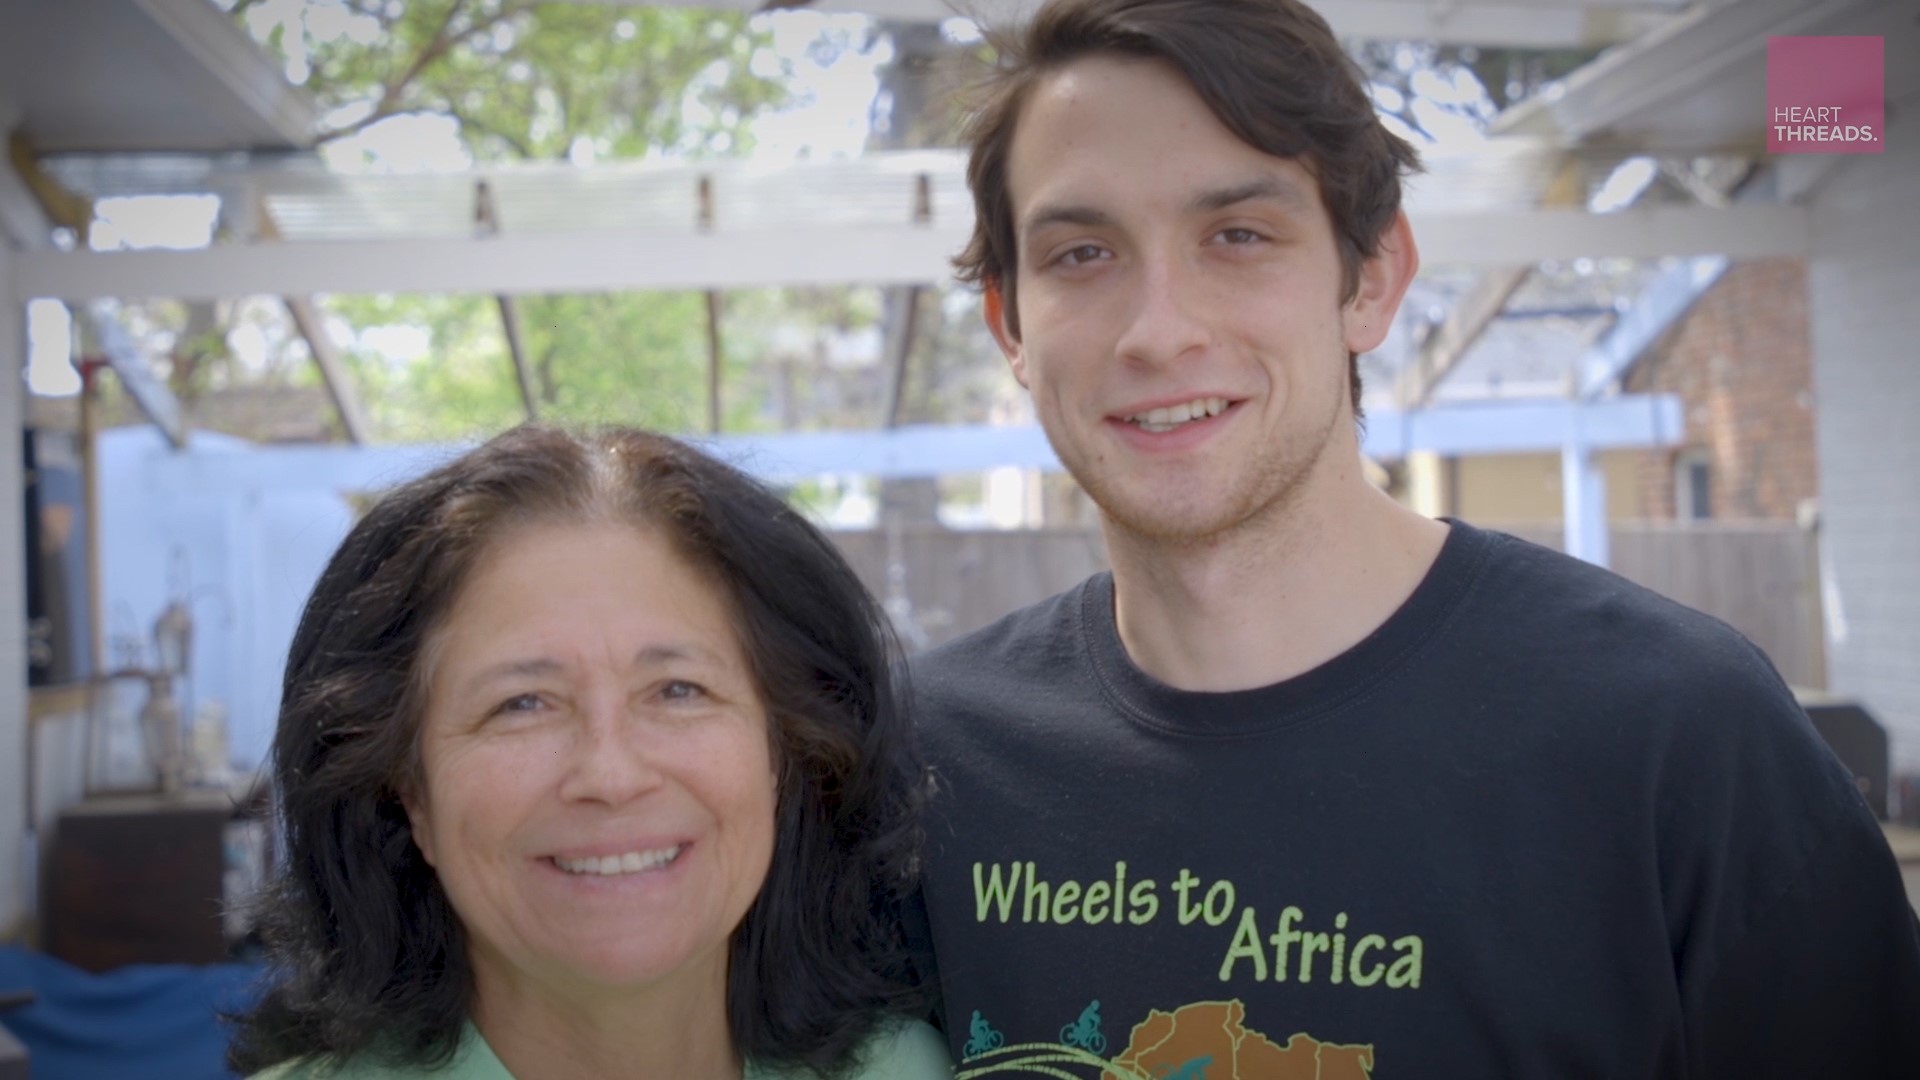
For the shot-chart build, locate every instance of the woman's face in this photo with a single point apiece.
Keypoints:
(599, 787)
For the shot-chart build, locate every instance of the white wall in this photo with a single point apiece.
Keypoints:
(245, 555)
(1864, 308)
(15, 875)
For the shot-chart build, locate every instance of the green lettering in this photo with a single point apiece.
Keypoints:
(1064, 908)
(1223, 889)
(1339, 948)
(1246, 944)
(1034, 885)
(1183, 887)
(1405, 971)
(1283, 938)
(1096, 898)
(994, 891)
(1370, 975)
(1119, 889)
(1309, 944)
(1143, 902)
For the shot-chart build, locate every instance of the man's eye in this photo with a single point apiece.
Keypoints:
(1239, 236)
(1081, 255)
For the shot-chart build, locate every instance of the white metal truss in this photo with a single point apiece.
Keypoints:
(1541, 24)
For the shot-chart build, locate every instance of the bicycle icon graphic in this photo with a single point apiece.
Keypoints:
(1085, 1032)
(983, 1038)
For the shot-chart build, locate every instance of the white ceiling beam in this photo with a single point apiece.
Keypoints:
(941, 449)
(228, 55)
(1525, 426)
(1530, 236)
(333, 370)
(1657, 307)
(1450, 341)
(22, 223)
(130, 362)
(1513, 23)
(612, 260)
(1664, 65)
(1504, 25)
(514, 263)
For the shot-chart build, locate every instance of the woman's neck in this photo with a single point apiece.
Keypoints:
(540, 1031)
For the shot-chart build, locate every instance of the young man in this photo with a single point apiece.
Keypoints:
(1310, 785)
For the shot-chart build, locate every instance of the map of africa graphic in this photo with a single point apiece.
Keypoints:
(1206, 1040)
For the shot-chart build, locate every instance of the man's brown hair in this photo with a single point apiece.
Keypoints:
(1271, 70)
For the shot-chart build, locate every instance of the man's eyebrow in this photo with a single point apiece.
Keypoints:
(1267, 188)
(1061, 214)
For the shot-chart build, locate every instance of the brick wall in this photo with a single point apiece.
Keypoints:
(1740, 361)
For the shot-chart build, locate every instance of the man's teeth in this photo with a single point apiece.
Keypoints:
(630, 863)
(1166, 419)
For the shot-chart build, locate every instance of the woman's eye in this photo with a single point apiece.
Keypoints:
(520, 703)
(681, 690)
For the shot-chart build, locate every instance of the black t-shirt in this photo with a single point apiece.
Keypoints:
(1541, 823)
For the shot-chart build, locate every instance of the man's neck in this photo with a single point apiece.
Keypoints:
(1274, 598)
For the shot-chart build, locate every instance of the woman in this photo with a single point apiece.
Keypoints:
(589, 765)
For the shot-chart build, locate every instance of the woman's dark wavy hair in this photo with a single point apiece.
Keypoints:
(367, 954)
(1271, 71)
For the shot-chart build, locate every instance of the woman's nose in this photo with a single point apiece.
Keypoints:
(612, 759)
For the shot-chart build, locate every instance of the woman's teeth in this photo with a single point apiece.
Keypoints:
(632, 862)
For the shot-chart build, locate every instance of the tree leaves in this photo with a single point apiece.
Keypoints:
(528, 80)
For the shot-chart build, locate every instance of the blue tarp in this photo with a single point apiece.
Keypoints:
(141, 1022)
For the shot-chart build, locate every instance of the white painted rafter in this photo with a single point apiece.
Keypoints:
(941, 449)
(1515, 23)
(616, 260)
(1665, 66)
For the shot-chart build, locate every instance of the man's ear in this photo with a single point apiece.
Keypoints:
(1383, 283)
(994, 311)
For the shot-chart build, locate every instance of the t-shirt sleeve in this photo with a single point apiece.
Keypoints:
(1796, 946)
(917, 934)
(1825, 981)
(908, 1051)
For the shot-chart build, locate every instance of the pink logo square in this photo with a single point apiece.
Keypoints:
(1826, 95)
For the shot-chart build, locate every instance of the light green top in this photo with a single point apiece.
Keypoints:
(904, 1051)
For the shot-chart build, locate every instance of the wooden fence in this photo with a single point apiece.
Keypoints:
(1761, 578)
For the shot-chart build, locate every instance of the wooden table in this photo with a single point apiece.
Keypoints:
(138, 879)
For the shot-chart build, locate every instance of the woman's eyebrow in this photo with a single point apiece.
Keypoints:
(507, 669)
(662, 654)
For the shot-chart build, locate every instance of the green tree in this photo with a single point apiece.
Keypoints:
(526, 81)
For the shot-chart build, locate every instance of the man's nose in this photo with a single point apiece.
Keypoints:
(1165, 321)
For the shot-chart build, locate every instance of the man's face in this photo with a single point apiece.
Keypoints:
(1181, 325)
